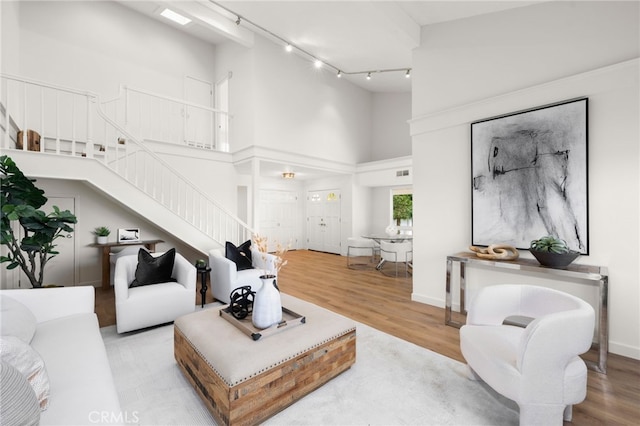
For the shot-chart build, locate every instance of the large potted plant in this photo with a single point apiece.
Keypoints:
(20, 200)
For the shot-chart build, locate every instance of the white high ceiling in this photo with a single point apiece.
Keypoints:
(353, 36)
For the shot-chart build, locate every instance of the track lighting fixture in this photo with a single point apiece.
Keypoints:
(317, 63)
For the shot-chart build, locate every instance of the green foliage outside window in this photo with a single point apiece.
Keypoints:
(402, 207)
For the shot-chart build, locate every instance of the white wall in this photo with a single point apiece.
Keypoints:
(390, 136)
(10, 37)
(493, 64)
(279, 101)
(96, 45)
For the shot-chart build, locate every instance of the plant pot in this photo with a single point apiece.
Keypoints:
(555, 260)
(102, 240)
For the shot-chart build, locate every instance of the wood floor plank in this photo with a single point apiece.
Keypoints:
(384, 303)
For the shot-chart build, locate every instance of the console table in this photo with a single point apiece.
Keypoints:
(106, 249)
(595, 275)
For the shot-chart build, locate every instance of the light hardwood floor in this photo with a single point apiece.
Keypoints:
(382, 302)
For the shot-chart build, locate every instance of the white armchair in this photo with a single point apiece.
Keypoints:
(149, 305)
(225, 276)
(538, 367)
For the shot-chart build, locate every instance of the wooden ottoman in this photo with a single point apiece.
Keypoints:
(243, 381)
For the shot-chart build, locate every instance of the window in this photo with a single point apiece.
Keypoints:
(403, 209)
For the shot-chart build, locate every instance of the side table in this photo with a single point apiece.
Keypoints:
(203, 271)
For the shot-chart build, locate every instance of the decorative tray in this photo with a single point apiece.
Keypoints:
(289, 320)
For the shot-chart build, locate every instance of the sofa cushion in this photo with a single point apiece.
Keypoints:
(28, 362)
(17, 319)
(154, 270)
(240, 255)
(82, 386)
(19, 403)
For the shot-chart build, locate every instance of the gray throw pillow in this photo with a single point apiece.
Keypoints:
(19, 403)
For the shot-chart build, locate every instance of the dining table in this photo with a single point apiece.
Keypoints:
(394, 238)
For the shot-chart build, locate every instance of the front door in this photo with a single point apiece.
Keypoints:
(323, 221)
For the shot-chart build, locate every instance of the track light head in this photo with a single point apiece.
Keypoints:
(339, 74)
(238, 21)
(318, 63)
(288, 48)
(408, 74)
(369, 76)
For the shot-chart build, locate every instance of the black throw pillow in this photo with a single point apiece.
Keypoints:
(154, 270)
(241, 255)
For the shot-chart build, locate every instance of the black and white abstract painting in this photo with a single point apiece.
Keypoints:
(529, 176)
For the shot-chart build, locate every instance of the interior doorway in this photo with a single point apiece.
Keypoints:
(198, 122)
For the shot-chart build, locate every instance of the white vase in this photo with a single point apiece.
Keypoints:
(391, 230)
(267, 306)
(103, 240)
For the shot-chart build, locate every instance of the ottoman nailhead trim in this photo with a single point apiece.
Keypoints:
(237, 382)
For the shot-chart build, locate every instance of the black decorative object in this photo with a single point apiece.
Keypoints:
(529, 176)
(203, 269)
(241, 302)
(555, 260)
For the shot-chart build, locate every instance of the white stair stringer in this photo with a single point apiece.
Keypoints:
(102, 178)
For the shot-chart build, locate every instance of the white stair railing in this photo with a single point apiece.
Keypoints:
(152, 116)
(72, 122)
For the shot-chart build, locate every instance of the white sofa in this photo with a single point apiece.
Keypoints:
(67, 337)
(225, 276)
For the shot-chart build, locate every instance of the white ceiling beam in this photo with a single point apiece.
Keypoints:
(203, 13)
(397, 19)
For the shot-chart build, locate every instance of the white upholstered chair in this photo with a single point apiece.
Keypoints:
(398, 253)
(359, 249)
(538, 367)
(225, 276)
(145, 306)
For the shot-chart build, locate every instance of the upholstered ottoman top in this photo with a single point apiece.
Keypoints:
(235, 357)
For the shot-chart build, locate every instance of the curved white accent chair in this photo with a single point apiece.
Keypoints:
(145, 306)
(114, 256)
(538, 366)
(358, 247)
(225, 276)
(397, 252)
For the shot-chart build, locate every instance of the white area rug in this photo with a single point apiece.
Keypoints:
(393, 382)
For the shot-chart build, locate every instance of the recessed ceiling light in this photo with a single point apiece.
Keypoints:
(175, 17)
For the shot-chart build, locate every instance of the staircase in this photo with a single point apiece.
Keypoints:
(79, 141)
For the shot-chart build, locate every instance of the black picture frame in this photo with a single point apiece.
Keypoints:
(529, 174)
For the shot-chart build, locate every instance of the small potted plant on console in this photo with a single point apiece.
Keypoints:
(101, 233)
